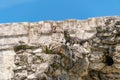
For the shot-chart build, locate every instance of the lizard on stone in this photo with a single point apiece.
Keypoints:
(73, 40)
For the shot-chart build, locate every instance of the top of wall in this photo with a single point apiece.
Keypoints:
(47, 31)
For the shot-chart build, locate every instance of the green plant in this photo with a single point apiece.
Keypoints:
(47, 50)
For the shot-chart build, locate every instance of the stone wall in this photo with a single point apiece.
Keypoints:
(49, 32)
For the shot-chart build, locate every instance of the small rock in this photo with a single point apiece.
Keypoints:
(37, 51)
(31, 77)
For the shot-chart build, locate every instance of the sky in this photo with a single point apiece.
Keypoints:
(39, 10)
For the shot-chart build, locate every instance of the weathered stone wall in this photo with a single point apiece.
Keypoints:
(42, 33)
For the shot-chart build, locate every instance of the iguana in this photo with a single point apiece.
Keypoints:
(74, 40)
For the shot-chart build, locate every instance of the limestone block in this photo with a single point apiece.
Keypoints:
(96, 57)
(117, 66)
(41, 76)
(117, 48)
(8, 65)
(69, 24)
(13, 29)
(80, 68)
(32, 77)
(17, 60)
(22, 59)
(57, 37)
(117, 39)
(46, 28)
(30, 58)
(108, 41)
(118, 26)
(10, 42)
(97, 66)
(43, 67)
(45, 39)
(33, 67)
(116, 57)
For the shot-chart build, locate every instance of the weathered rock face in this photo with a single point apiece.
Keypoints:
(45, 56)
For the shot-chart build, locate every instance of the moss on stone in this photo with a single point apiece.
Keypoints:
(23, 47)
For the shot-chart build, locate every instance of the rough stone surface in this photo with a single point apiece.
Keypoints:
(37, 51)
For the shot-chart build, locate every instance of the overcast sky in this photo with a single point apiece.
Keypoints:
(37, 10)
